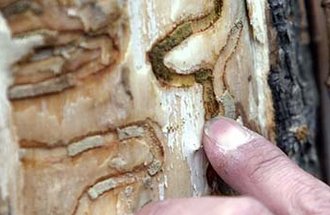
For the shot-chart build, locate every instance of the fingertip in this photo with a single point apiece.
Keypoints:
(226, 134)
(254, 166)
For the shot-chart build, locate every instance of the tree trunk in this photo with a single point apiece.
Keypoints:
(108, 98)
(320, 21)
(293, 86)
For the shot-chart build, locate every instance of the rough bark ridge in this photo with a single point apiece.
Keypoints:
(292, 83)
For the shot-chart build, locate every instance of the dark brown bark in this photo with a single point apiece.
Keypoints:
(319, 16)
(292, 82)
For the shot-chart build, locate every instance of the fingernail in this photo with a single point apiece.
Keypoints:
(227, 134)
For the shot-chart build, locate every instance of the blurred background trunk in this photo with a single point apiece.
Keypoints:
(319, 17)
(102, 102)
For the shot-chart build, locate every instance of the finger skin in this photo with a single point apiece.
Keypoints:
(206, 205)
(260, 169)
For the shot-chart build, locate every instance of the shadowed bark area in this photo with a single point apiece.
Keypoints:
(319, 14)
(293, 85)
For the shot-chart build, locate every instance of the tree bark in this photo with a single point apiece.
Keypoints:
(108, 98)
(319, 16)
(293, 85)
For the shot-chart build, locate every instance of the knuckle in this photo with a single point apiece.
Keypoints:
(258, 166)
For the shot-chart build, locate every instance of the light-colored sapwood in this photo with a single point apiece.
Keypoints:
(108, 98)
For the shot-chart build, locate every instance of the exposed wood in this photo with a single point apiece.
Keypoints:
(108, 109)
(10, 167)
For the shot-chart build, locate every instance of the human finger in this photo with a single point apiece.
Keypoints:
(206, 205)
(254, 166)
